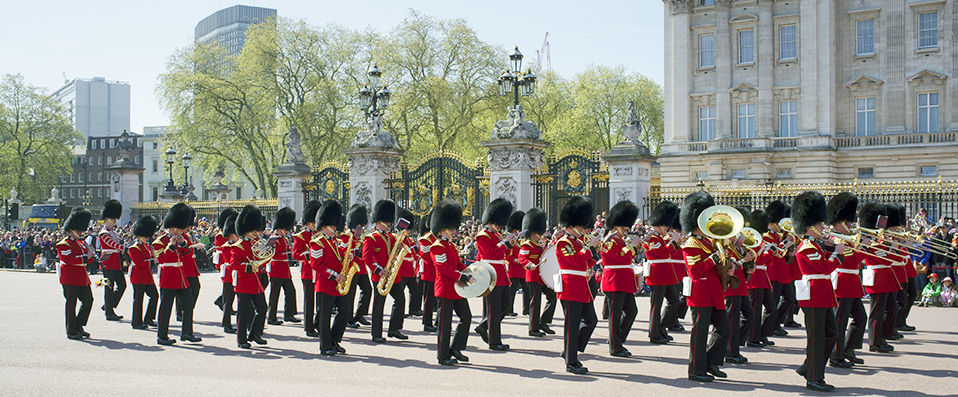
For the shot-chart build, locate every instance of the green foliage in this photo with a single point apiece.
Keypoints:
(35, 140)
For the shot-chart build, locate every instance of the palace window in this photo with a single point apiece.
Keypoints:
(928, 30)
(738, 174)
(154, 166)
(928, 170)
(788, 48)
(156, 194)
(706, 123)
(927, 112)
(784, 173)
(865, 116)
(706, 51)
(866, 172)
(865, 37)
(746, 120)
(788, 119)
(706, 2)
(702, 175)
(746, 46)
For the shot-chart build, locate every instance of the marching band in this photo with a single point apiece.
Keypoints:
(738, 270)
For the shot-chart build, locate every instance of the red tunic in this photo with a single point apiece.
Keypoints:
(74, 255)
(706, 287)
(742, 289)
(658, 257)
(376, 247)
(326, 259)
(760, 278)
(171, 269)
(141, 256)
(617, 272)
(244, 281)
(110, 248)
(300, 246)
(529, 254)
(678, 262)
(221, 259)
(846, 280)
(428, 268)
(279, 266)
(357, 241)
(778, 268)
(408, 267)
(575, 259)
(817, 267)
(487, 243)
(885, 281)
(448, 266)
(188, 258)
(515, 270)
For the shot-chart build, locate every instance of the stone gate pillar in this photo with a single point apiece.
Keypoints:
(125, 179)
(289, 176)
(373, 156)
(630, 165)
(515, 152)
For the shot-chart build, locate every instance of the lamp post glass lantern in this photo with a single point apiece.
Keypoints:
(170, 159)
(373, 98)
(514, 81)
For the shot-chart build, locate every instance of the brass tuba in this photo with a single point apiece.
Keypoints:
(397, 254)
(349, 269)
(720, 223)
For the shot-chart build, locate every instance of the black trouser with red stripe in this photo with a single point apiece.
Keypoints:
(251, 316)
(76, 320)
(656, 321)
(747, 319)
(550, 309)
(495, 304)
(185, 299)
(706, 351)
(535, 304)
(446, 308)
(733, 305)
(906, 297)
(138, 291)
(228, 297)
(396, 315)
(676, 306)
(361, 281)
(331, 335)
(289, 309)
(788, 304)
(622, 312)
(580, 321)
(415, 294)
(515, 284)
(820, 331)
(428, 289)
(309, 305)
(877, 316)
(113, 291)
(846, 342)
(762, 325)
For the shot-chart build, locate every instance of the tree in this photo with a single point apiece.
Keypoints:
(35, 139)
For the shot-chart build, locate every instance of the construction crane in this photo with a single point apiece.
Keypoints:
(544, 51)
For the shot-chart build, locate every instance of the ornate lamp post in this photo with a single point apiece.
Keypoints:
(170, 189)
(187, 189)
(519, 83)
(373, 100)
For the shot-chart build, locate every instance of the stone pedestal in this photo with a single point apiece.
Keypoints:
(289, 177)
(369, 167)
(125, 188)
(512, 161)
(630, 167)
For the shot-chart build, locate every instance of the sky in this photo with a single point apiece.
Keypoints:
(131, 41)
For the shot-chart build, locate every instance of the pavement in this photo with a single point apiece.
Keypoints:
(36, 358)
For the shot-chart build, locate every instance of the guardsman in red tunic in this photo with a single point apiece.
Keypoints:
(173, 284)
(141, 274)
(814, 291)
(249, 291)
(516, 273)
(189, 268)
(530, 253)
(842, 212)
(676, 306)
(778, 271)
(327, 254)
(222, 264)
(408, 272)
(904, 272)
(427, 275)
(575, 259)
(660, 274)
(301, 256)
(356, 220)
(444, 221)
(743, 262)
(493, 249)
(376, 248)
(788, 305)
(618, 275)
(279, 268)
(704, 294)
(74, 254)
(879, 281)
(759, 285)
(111, 250)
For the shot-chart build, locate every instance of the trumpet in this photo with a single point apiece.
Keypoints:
(720, 223)
(349, 269)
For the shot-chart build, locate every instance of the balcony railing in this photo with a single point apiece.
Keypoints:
(736, 144)
(893, 140)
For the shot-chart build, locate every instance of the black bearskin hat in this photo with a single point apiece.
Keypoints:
(112, 209)
(534, 222)
(284, 219)
(384, 211)
(330, 214)
(309, 212)
(179, 216)
(78, 220)
(224, 216)
(663, 214)
(759, 221)
(623, 213)
(515, 221)
(896, 215)
(576, 212)
(692, 207)
(677, 221)
(402, 213)
(497, 213)
(250, 219)
(446, 215)
(357, 216)
(425, 224)
(229, 227)
(145, 227)
(842, 207)
(808, 209)
(776, 210)
(868, 215)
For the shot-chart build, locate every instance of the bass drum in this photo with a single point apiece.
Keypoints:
(549, 267)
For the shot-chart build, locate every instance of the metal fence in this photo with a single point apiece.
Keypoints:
(208, 210)
(938, 197)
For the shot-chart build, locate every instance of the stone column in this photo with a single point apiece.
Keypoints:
(723, 72)
(629, 173)
(767, 109)
(125, 188)
(515, 152)
(951, 97)
(893, 103)
(369, 167)
(808, 54)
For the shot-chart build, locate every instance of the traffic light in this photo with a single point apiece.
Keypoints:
(13, 212)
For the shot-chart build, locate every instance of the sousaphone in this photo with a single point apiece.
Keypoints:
(721, 223)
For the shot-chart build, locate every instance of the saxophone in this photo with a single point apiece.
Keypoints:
(396, 256)
(349, 269)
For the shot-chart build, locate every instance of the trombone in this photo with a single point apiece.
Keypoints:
(910, 245)
(854, 243)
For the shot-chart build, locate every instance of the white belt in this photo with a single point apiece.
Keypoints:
(817, 277)
(702, 279)
(174, 264)
(762, 267)
(496, 261)
(573, 272)
(898, 264)
(847, 271)
(661, 260)
(613, 267)
(874, 267)
(108, 250)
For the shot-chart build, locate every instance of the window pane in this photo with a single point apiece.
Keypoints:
(706, 42)
(933, 99)
(865, 37)
(928, 29)
(745, 46)
(787, 38)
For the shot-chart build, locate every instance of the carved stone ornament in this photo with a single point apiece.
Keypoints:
(285, 202)
(364, 195)
(506, 188)
(622, 171)
(294, 150)
(515, 127)
(374, 136)
(515, 158)
(623, 194)
(366, 164)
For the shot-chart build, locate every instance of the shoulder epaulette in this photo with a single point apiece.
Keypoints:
(806, 244)
(64, 241)
(692, 242)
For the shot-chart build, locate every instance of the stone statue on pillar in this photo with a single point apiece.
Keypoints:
(289, 175)
(630, 164)
(516, 151)
(125, 181)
